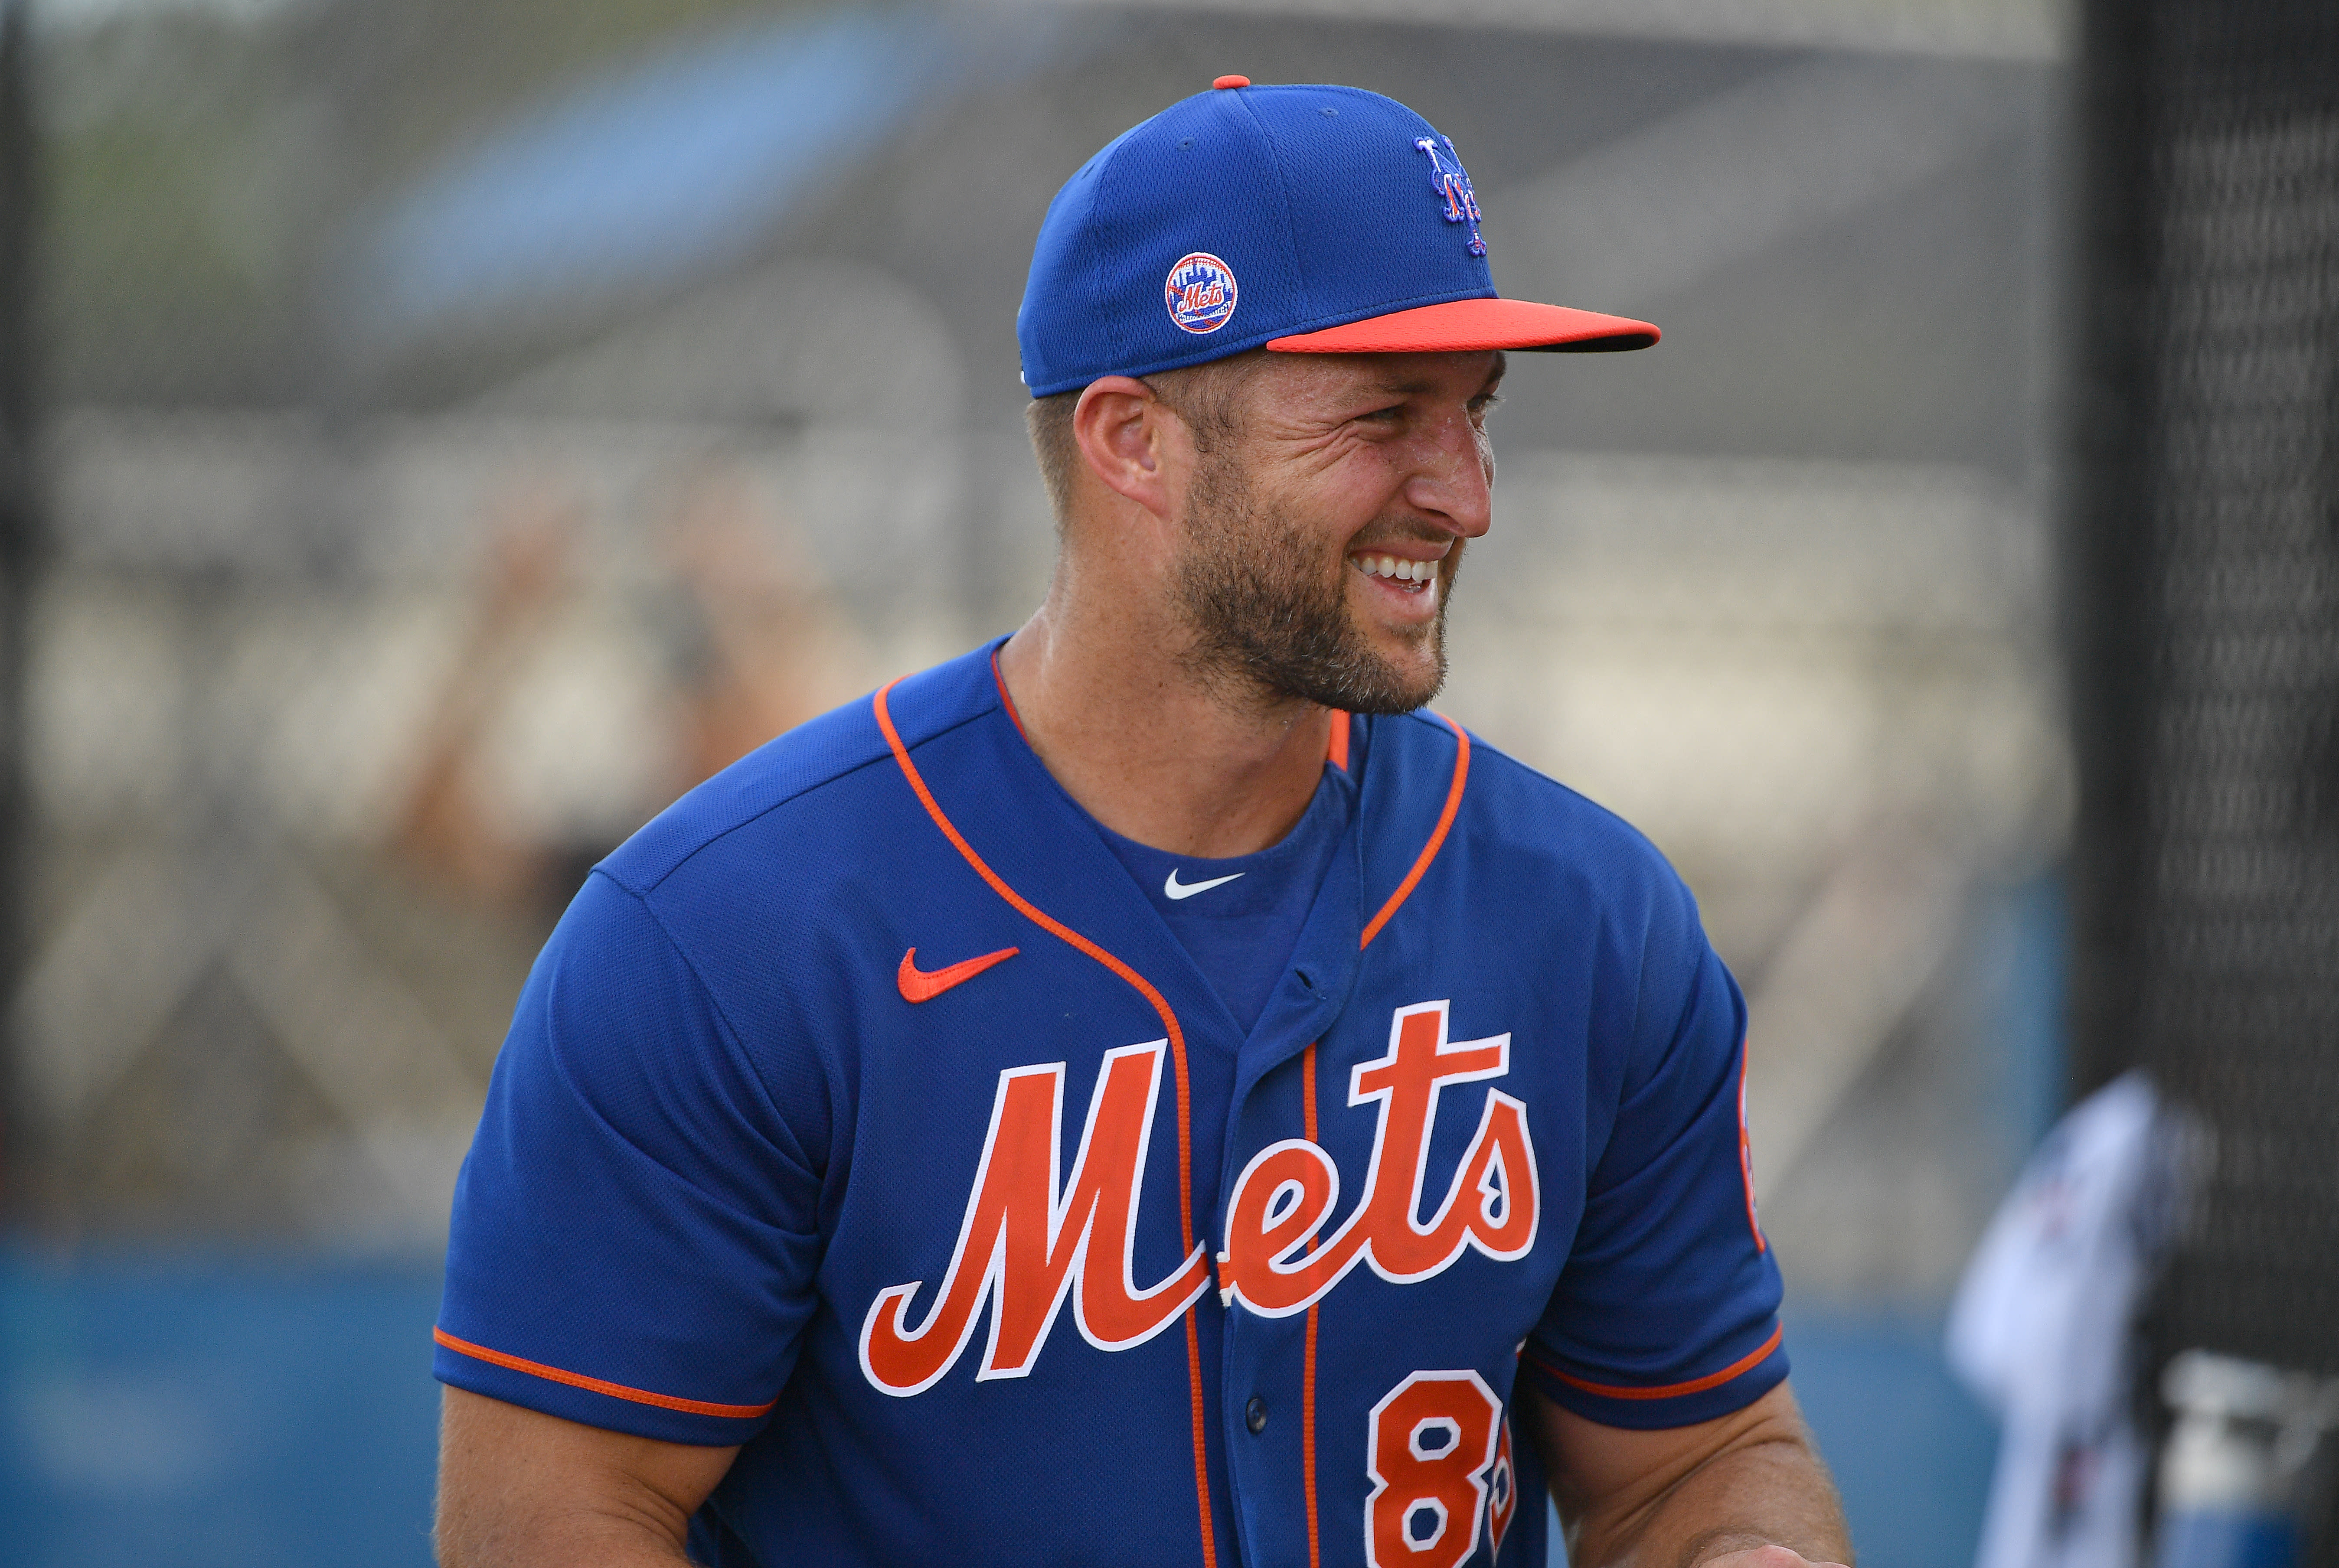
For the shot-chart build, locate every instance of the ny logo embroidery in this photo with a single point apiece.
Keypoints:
(1452, 183)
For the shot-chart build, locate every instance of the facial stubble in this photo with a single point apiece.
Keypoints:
(1270, 617)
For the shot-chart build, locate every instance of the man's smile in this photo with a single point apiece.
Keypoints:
(1406, 577)
(1400, 571)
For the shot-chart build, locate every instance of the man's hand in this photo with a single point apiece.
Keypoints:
(517, 1488)
(1767, 1557)
(1746, 1491)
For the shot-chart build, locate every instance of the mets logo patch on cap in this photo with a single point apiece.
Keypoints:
(1200, 293)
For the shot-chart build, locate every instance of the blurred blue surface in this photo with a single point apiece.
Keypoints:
(1911, 1449)
(214, 1411)
(196, 1411)
(672, 164)
(669, 162)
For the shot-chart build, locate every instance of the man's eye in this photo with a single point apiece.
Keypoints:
(1387, 416)
(1486, 405)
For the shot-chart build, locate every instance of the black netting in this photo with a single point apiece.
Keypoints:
(2205, 603)
(16, 515)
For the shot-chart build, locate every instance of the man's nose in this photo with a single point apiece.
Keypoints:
(1454, 476)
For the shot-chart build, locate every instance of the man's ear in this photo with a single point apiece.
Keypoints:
(1127, 436)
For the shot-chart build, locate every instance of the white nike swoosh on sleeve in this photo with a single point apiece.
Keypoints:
(1176, 889)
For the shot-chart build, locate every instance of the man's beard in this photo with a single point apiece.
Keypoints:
(1267, 618)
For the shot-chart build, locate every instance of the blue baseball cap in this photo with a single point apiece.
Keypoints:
(1306, 219)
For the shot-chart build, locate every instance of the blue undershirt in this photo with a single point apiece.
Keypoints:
(1241, 933)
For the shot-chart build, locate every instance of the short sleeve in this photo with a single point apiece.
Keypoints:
(1666, 1312)
(636, 1228)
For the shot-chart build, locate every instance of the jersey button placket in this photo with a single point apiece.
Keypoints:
(1255, 1414)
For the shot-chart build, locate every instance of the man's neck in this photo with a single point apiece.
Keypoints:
(1150, 750)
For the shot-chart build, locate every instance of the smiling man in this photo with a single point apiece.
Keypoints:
(1149, 1091)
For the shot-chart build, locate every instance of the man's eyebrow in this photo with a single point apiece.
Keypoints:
(1416, 386)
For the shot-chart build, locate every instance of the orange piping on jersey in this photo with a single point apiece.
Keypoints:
(1144, 988)
(578, 1380)
(1437, 836)
(1746, 1150)
(1672, 1390)
(1014, 718)
(1336, 754)
(1308, 1366)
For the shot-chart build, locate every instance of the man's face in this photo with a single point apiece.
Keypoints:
(1323, 531)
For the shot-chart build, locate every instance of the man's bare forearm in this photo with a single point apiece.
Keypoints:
(1730, 1491)
(517, 1489)
(564, 1543)
(1773, 1493)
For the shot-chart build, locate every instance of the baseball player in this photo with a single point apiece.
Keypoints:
(1149, 1091)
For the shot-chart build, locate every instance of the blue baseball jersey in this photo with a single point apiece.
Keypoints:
(863, 1112)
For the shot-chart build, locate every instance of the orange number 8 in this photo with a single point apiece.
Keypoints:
(1429, 1444)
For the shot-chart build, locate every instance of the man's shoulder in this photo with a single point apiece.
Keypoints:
(832, 776)
(1519, 803)
(1533, 832)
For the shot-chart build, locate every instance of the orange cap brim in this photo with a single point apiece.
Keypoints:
(1464, 325)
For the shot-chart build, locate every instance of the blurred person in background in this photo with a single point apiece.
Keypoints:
(782, 1120)
(445, 827)
(761, 649)
(751, 645)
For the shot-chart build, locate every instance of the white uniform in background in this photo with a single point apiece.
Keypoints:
(2040, 1328)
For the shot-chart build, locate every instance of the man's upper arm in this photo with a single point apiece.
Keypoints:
(517, 1487)
(1666, 1314)
(1654, 1384)
(636, 1230)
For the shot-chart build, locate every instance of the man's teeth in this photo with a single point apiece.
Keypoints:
(1396, 567)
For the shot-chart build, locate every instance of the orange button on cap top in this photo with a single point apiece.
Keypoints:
(1223, 83)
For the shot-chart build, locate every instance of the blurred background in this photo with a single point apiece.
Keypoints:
(437, 434)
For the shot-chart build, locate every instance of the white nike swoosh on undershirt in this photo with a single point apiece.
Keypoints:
(1176, 889)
